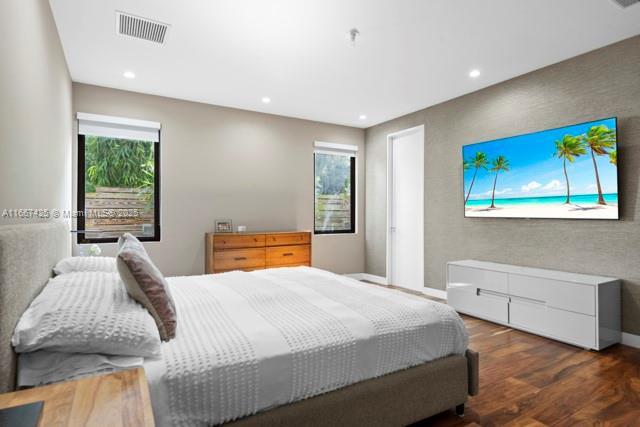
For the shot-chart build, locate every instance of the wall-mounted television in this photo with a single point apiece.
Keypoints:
(569, 172)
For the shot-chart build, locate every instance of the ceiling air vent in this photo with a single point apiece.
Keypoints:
(141, 28)
(626, 3)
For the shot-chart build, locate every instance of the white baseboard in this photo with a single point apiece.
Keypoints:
(631, 340)
(369, 277)
(436, 293)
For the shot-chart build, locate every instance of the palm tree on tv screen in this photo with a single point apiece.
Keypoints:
(613, 157)
(568, 148)
(479, 161)
(500, 163)
(598, 139)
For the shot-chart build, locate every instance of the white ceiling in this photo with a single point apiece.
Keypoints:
(411, 53)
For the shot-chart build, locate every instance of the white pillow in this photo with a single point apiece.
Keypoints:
(87, 312)
(86, 263)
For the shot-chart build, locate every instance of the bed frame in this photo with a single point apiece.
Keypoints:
(29, 252)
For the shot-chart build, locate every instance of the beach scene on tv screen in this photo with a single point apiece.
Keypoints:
(570, 172)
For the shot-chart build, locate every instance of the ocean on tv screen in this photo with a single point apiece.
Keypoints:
(569, 172)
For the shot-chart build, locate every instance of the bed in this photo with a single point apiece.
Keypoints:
(300, 346)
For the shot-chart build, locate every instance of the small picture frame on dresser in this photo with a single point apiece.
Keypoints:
(224, 226)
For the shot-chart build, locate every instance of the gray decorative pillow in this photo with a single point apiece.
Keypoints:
(129, 238)
(146, 284)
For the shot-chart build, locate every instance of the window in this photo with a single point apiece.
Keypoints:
(335, 183)
(118, 178)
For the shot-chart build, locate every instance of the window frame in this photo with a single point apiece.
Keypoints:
(352, 230)
(80, 220)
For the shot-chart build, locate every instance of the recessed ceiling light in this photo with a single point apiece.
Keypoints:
(363, 117)
(129, 75)
(474, 73)
(266, 99)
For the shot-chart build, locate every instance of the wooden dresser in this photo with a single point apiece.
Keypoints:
(256, 251)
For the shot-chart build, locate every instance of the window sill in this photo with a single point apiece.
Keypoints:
(334, 233)
(113, 240)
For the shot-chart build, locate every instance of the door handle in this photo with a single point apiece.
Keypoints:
(288, 254)
(240, 258)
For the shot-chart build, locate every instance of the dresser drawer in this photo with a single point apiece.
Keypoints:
(287, 255)
(484, 279)
(555, 293)
(237, 241)
(238, 259)
(283, 239)
(574, 328)
(247, 269)
(297, 264)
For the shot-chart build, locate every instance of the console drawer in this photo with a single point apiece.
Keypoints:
(484, 305)
(567, 326)
(555, 293)
(480, 278)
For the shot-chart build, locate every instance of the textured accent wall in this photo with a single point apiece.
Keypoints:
(599, 84)
(35, 111)
(217, 162)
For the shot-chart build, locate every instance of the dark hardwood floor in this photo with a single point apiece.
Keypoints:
(527, 380)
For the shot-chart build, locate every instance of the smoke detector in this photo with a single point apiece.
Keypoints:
(626, 3)
(141, 28)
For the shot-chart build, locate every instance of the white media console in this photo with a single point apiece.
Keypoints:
(578, 309)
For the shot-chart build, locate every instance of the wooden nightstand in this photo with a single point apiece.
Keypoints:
(117, 399)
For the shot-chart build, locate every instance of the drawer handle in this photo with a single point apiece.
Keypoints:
(240, 258)
(288, 254)
(515, 298)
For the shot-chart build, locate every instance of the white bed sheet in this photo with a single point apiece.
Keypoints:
(247, 342)
(42, 367)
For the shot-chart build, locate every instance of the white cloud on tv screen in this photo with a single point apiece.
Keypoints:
(533, 185)
(554, 185)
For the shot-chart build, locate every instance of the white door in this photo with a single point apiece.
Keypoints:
(405, 258)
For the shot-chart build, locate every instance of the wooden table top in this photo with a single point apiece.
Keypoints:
(116, 399)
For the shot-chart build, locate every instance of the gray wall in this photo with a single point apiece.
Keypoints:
(35, 111)
(600, 84)
(256, 169)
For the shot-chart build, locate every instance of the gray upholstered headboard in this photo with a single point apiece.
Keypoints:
(28, 253)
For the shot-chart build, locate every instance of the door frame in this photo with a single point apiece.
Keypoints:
(390, 138)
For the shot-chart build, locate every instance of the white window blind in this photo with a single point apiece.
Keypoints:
(333, 148)
(118, 127)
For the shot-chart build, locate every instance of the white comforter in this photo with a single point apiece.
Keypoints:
(251, 341)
